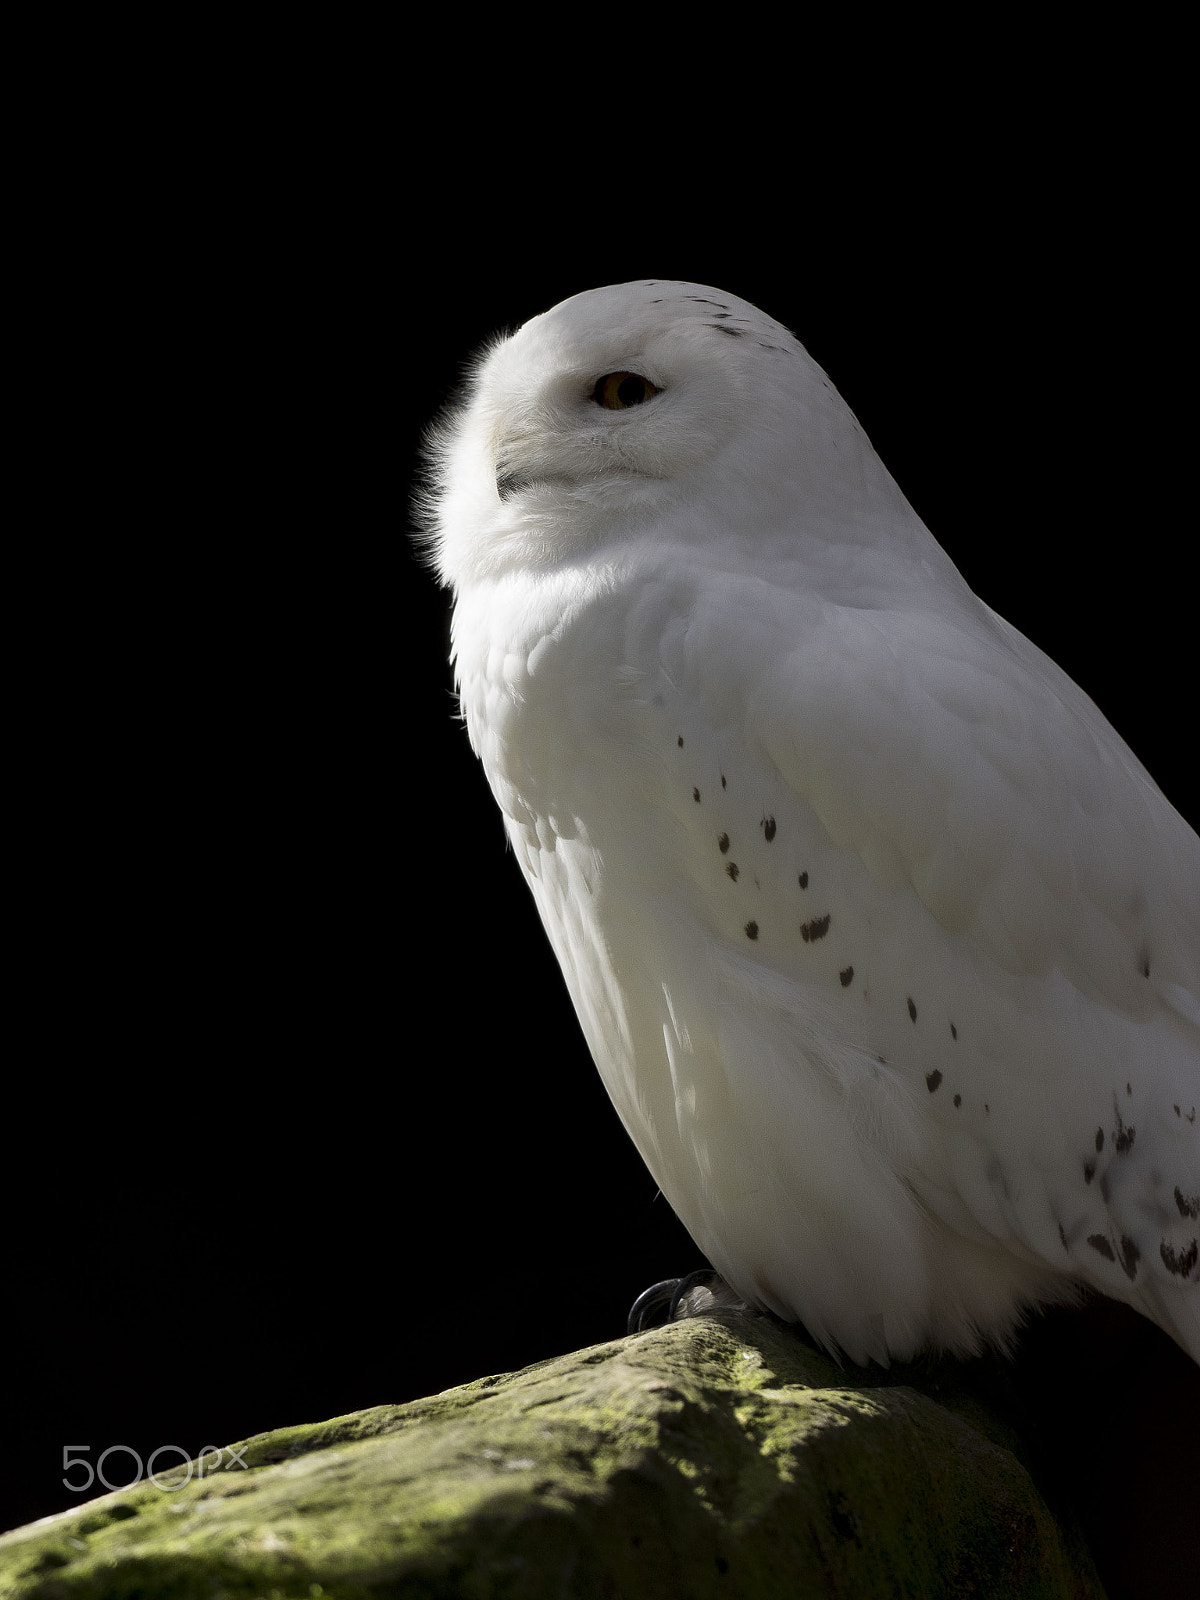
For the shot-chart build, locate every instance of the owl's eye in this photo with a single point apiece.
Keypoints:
(616, 391)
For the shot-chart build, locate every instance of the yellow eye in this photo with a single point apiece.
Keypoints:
(616, 391)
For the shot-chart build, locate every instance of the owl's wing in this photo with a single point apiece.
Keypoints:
(952, 758)
(949, 753)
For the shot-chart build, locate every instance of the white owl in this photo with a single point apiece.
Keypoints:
(886, 947)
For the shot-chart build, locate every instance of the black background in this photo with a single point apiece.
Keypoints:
(307, 1123)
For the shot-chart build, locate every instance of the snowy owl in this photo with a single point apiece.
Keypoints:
(885, 945)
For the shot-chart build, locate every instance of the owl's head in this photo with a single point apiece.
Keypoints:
(624, 411)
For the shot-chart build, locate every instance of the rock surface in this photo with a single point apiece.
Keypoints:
(717, 1456)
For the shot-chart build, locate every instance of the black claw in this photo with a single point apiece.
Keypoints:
(686, 1284)
(651, 1300)
(646, 1311)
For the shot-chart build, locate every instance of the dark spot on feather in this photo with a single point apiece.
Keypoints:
(768, 828)
(933, 1081)
(814, 930)
(734, 333)
(733, 869)
(957, 1100)
(1062, 1235)
(696, 796)
(1145, 966)
(1099, 1140)
(1089, 1171)
(802, 880)
(1104, 1187)
(912, 1010)
(752, 930)
(1101, 1246)
(722, 780)
(846, 977)
(987, 1110)
(1189, 1204)
(679, 741)
(1129, 1089)
(1123, 1137)
(723, 843)
(1180, 1262)
(1130, 1256)
(953, 1031)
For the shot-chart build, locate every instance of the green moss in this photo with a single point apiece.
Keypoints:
(718, 1456)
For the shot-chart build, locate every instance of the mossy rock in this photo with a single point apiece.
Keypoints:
(720, 1456)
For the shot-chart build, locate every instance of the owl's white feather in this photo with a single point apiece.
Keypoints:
(886, 946)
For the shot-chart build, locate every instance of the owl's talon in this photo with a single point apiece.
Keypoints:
(670, 1293)
(686, 1284)
(649, 1301)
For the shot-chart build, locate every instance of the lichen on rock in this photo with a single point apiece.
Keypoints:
(717, 1456)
